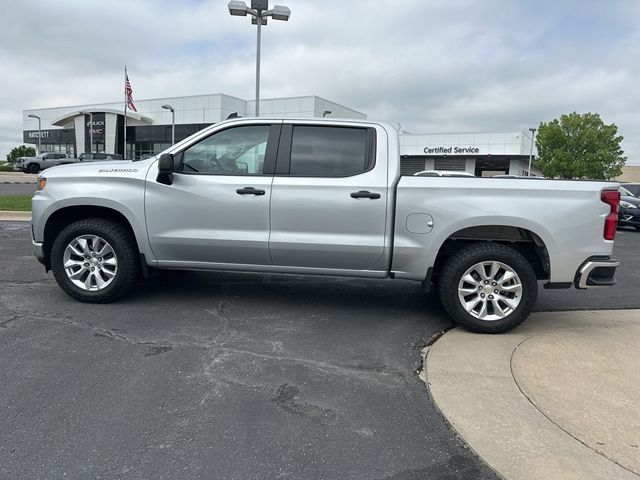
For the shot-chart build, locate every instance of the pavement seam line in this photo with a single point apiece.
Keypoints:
(547, 416)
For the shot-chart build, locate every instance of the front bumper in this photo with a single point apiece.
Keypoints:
(38, 251)
(597, 272)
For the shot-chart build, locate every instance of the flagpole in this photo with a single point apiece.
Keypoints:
(124, 152)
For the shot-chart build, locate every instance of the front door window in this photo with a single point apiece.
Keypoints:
(236, 151)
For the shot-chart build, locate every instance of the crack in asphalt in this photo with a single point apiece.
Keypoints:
(455, 467)
(25, 283)
(286, 398)
(4, 323)
(364, 372)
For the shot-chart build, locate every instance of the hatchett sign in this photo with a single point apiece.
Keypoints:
(45, 134)
(451, 150)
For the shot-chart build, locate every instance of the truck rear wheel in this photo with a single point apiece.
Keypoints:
(95, 260)
(488, 288)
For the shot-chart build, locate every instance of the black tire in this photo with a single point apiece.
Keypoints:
(456, 266)
(33, 168)
(637, 228)
(124, 246)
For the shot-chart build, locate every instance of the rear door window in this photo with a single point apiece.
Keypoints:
(319, 151)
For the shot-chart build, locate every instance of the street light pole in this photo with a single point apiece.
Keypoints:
(259, 12)
(173, 122)
(533, 134)
(31, 115)
(259, 24)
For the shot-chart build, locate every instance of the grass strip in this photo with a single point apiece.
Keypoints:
(15, 203)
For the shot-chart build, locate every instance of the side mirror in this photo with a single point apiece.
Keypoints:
(165, 169)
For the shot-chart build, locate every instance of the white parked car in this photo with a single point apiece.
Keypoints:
(443, 173)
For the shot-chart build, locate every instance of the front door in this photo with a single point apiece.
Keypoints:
(329, 199)
(216, 211)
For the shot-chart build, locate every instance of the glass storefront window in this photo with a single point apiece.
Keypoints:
(140, 149)
(67, 148)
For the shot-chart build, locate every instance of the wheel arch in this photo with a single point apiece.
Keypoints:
(65, 216)
(523, 240)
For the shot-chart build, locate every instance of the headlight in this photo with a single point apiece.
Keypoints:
(40, 183)
(624, 204)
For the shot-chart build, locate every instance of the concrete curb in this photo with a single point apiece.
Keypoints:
(554, 399)
(19, 178)
(11, 216)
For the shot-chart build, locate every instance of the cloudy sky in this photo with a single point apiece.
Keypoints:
(431, 65)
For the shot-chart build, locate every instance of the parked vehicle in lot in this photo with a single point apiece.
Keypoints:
(527, 177)
(39, 162)
(322, 197)
(95, 157)
(634, 188)
(443, 173)
(50, 159)
(629, 211)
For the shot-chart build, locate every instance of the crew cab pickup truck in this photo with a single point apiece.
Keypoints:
(51, 159)
(322, 197)
(40, 162)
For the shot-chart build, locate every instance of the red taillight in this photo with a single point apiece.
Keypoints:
(611, 198)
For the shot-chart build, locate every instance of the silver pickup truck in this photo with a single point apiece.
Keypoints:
(40, 162)
(322, 197)
(46, 160)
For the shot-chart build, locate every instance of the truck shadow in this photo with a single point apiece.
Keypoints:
(288, 291)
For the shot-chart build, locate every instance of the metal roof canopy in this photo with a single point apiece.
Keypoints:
(68, 117)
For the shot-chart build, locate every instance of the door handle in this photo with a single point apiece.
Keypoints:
(249, 191)
(365, 194)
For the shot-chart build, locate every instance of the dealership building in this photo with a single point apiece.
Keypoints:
(483, 154)
(71, 130)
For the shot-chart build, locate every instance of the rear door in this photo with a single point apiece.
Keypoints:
(329, 198)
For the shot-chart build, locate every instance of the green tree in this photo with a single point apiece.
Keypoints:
(579, 146)
(21, 151)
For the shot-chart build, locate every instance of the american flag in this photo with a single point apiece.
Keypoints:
(129, 93)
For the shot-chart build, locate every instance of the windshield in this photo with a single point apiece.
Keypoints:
(625, 192)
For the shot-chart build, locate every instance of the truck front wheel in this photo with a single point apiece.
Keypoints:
(95, 260)
(33, 168)
(488, 288)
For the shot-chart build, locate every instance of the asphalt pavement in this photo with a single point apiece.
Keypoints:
(219, 376)
(622, 296)
(17, 188)
(17, 183)
(230, 375)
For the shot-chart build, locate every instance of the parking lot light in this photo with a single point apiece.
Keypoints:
(32, 115)
(259, 12)
(238, 8)
(173, 122)
(533, 134)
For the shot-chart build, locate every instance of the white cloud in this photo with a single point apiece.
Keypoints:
(433, 66)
